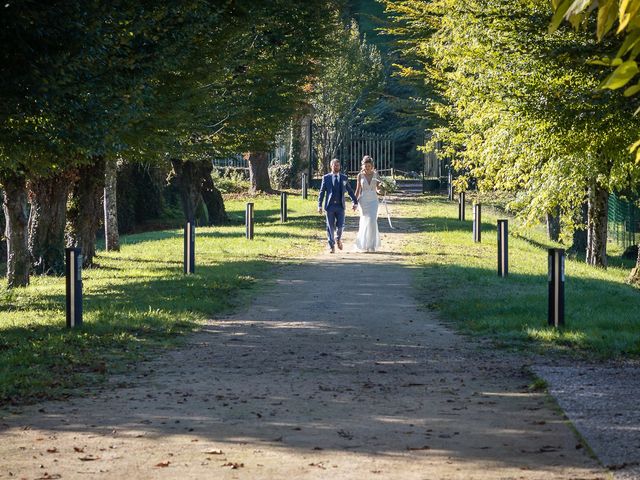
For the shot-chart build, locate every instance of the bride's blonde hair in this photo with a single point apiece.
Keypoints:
(367, 159)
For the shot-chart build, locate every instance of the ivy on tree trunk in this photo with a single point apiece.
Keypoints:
(48, 198)
(258, 172)
(84, 209)
(111, 236)
(598, 199)
(15, 207)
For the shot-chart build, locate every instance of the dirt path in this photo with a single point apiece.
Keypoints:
(332, 373)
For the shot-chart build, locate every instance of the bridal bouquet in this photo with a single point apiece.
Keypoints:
(386, 185)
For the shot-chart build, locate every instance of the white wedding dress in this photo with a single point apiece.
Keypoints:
(368, 239)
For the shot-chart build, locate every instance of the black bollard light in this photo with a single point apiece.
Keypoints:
(556, 287)
(503, 248)
(450, 180)
(304, 186)
(461, 205)
(477, 222)
(73, 272)
(283, 207)
(248, 220)
(189, 248)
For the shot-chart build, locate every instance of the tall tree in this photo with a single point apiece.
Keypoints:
(624, 64)
(350, 80)
(520, 107)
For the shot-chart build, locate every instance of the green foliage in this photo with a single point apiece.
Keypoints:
(282, 175)
(183, 80)
(230, 180)
(349, 81)
(627, 13)
(519, 108)
(140, 301)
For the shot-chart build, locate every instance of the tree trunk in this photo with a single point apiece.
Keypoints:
(15, 207)
(579, 245)
(258, 172)
(304, 138)
(553, 226)
(85, 212)
(111, 236)
(213, 198)
(3, 243)
(190, 178)
(598, 199)
(634, 276)
(48, 197)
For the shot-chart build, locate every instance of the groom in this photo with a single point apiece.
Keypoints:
(332, 191)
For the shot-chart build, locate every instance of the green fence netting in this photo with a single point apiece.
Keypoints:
(624, 221)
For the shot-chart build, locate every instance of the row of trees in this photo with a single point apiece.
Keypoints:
(520, 108)
(84, 85)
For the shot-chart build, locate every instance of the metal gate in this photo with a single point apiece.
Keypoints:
(357, 144)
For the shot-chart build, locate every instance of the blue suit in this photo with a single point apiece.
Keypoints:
(332, 194)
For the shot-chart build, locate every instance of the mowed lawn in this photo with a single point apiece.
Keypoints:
(138, 300)
(458, 278)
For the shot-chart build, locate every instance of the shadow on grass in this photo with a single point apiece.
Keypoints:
(263, 218)
(448, 224)
(601, 316)
(122, 321)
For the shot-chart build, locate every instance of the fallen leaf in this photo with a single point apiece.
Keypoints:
(88, 458)
(163, 464)
(233, 465)
(78, 449)
(47, 476)
(52, 450)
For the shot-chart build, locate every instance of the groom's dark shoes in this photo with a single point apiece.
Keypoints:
(339, 244)
(332, 249)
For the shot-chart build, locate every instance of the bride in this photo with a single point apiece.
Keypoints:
(368, 239)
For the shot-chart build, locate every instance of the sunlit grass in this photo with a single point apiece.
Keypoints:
(459, 278)
(138, 299)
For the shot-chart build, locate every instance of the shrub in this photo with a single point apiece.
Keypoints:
(282, 176)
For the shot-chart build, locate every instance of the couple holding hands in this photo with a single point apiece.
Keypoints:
(365, 198)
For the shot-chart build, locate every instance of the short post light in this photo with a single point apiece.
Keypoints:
(248, 221)
(283, 207)
(556, 287)
(477, 222)
(305, 186)
(73, 273)
(189, 247)
(503, 248)
(461, 206)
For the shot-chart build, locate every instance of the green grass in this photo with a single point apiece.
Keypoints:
(138, 301)
(459, 278)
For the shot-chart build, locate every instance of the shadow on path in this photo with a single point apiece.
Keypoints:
(334, 368)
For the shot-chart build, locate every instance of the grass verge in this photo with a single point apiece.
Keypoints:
(459, 278)
(137, 301)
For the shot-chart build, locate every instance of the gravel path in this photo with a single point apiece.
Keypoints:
(602, 403)
(332, 372)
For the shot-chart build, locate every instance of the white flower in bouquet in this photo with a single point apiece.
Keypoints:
(386, 185)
